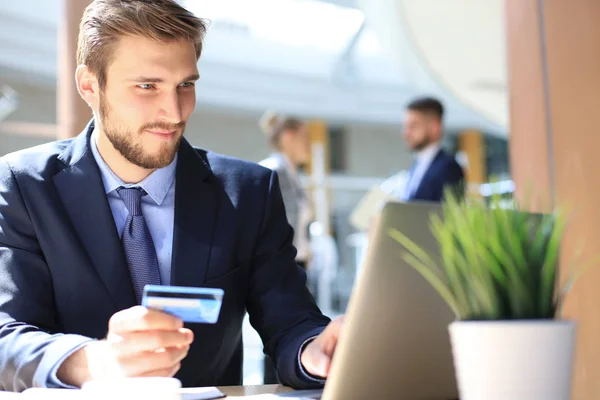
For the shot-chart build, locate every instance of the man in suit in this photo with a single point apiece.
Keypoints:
(86, 223)
(433, 170)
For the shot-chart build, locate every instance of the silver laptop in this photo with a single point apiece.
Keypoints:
(395, 343)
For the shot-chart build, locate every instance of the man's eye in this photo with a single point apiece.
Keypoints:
(187, 84)
(146, 86)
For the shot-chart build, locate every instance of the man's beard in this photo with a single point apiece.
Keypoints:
(123, 140)
(422, 144)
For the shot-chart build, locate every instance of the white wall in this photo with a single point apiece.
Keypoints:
(10, 143)
(230, 134)
(375, 151)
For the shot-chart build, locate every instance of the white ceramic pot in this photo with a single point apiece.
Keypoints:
(513, 360)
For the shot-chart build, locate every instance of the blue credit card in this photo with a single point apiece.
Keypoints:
(190, 304)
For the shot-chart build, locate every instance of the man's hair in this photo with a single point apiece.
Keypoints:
(105, 21)
(428, 106)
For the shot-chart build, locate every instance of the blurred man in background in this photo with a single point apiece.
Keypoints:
(433, 170)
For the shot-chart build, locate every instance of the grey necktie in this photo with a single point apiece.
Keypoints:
(137, 243)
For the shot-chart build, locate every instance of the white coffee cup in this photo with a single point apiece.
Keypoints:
(153, 388)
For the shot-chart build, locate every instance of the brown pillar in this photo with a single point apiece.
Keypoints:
(472, 144)
(318, 134)
(318, 169)
(553, 49)
(72, 112)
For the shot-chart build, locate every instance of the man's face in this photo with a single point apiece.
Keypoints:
(419, 130)
(148, 98)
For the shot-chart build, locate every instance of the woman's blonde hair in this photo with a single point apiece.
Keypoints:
(105, 21)
(273, 125)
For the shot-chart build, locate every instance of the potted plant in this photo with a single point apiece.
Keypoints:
(499, 274)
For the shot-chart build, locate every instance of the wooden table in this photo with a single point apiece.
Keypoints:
(252, 390)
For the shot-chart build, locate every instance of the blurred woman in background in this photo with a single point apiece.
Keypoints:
(289, 139)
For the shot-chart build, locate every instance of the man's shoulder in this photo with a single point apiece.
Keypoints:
(449, 166)
(36, 159)
(447, 159)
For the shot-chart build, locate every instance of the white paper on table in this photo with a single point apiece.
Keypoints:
(201, 393)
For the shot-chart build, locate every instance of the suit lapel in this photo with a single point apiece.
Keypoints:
(82, 192)
(195, 214)
(428, 174)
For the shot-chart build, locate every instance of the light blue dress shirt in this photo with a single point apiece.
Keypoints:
(158, 206)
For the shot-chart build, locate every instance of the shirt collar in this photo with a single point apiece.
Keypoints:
(157, 184)
(428, 153)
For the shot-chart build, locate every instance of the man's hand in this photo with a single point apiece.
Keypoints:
(316, 357)
(140, 342)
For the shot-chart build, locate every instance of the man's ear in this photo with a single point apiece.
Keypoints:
(436, 127)
(87, 84)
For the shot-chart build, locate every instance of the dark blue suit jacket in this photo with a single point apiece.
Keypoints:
(444, 172)
(63, 271)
